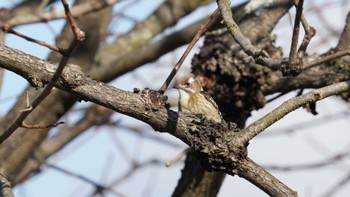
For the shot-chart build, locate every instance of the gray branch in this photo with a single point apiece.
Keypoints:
(220, 147)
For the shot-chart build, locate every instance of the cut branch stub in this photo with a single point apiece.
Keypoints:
(153, 100)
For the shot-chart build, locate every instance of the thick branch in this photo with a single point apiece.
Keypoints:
(219, 146)
(39, 73)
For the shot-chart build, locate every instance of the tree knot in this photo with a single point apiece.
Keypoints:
(152, 99)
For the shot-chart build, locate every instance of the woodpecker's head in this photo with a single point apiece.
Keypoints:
(189, 84)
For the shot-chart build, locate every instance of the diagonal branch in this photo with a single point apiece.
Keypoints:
(292, 104)
(261, 178)
(219, 147)
(201, 30)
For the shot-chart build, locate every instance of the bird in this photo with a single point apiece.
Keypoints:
(193, 99)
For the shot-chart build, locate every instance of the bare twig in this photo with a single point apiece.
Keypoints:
(326, 58)
(8, 29)
(27, 126)
(196, 37)
(78, 33)
(309, 32)
(260, 125)
(276, 97)
(293, 59)
(73, 174)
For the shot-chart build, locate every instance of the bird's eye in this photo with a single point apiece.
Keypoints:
(187, 84)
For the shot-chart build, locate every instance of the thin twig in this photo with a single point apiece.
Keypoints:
(326, 58)
(293, 59)
(8, 29)
(34, 126)
(309, 32)
(73, 174)
(260, 125)
(276, 97)
(78, 33)
(196, 37)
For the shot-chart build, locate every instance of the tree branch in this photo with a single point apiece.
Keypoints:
(292, 104)
(220, 147)
(262, 179)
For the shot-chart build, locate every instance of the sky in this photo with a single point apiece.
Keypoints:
(97, 153)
